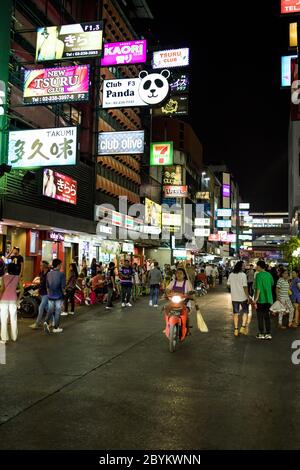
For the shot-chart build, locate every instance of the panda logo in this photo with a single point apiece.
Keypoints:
(154, 87)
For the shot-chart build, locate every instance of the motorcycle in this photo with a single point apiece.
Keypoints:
(201, 288)
(176, 317)
(30, 301)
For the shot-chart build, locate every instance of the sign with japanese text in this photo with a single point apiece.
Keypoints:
(69, 41)
(214, 237)
(227, 237)
(224, 223)
(171, 219)
(117, 143)
(59, 186)
(290, 6)
(161, 153)
(172, 175)
(203, 195)
(123, 53)
(226, 190)
(202, 222)
(171, 58)
(175, 191)
(224, 212)
(202, 232)
(42, 147)
(56, 85)
(179, 83)
(56, 236)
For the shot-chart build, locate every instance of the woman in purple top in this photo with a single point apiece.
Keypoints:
(295, 297)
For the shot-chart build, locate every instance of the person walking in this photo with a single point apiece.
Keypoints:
(282, 293)
(70, 290)
(93, 268)
(8, 304)
(250, 279)
(295, 297)
(263, 283)
(111, 285)
(237, 282)
(56, 283)
(126, 279)
(43, 295)
(155, 278)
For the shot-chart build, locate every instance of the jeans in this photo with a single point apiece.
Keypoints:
(126, 293)
(8, 309)
(263, 316)
(54, 309)
(110, 296)
(43, 306)
(154, 292)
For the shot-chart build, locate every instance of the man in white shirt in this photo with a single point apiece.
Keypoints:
(238, 284)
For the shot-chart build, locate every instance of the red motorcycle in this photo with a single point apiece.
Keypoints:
(176, 316)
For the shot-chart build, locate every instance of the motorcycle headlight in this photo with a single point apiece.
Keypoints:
(176, 299)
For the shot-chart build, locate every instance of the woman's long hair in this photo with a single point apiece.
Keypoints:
(238, 268)
(74, 269)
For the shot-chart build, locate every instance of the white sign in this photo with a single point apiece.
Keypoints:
(202, 232)
(171, 219)
(201, 222)
(146, 90)
(224, 213)
(42, 147)
(223, 223)
(171, 58)
(117, 143)
(180, 254)
(244, 205)
(128, 247)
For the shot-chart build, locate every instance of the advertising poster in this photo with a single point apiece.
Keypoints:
(152, 213)
(161, 153)
(56, 85)
(171, 219)
(286, 70)
(171, 58)
(59, 186)
(290, 6)
(69, 41)
(42, 147)
(176, 105)
(293, 37)
(124, 53)
(118, 143)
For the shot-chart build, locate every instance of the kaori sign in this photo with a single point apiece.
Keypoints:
(123, 53)
(118, 143)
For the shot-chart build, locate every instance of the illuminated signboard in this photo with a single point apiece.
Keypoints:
(59, 186)
(202, 232)
(69, 41)
(293, 35)
(227, 237)
(146, 90)
(2, 97)
(118, 143)
(171, 219)
(224, 223)
(226, 190)
(171, 58)
(176, 105)
(124, 53)
(180, 254)
(152, 213)
(286, 70)
(172, 175)
(56, 85)
(179, 83)
(175, 191)
(116, 219)
(214, 237)
(127, 247)
(161, 153)
(42, 147)
(290, 6)
(224, 213)
(203, 195)
(202, 222)
(244, 205)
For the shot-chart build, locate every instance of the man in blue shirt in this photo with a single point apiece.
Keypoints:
(126, 275)
(56, 283)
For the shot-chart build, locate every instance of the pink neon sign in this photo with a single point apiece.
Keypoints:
(123, 53)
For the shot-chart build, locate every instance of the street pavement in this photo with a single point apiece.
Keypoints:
(108, 381)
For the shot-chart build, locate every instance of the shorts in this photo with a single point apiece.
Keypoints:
(240, 307)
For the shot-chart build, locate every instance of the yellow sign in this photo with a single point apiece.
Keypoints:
(293, 35)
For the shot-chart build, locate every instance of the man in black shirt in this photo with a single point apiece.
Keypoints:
(17, 260)
(111, 284)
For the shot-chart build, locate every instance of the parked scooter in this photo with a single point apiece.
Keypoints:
(176, 317)
(30, 300)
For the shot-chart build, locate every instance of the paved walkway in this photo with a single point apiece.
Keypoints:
(109, 382)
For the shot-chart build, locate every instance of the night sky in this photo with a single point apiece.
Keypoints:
(237, 108)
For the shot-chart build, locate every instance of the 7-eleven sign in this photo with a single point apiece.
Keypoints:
(161, 153)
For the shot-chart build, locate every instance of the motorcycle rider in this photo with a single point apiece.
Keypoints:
(43, 293)
(180, 285)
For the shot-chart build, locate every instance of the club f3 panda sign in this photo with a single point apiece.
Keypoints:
(146, 90)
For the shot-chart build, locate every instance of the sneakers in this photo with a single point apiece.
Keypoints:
(155, 305)
(123, 304)
(108, 308)
(64, 314)
(128, 304)
(236, 332)
(34, 326)
(46, 328)
(243, 330)
(57, 330)
(71, 313)
(260, 336)
(150, 303)
(268, 336)
(87, 301)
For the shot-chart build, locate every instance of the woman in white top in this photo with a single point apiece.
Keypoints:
(238, 284)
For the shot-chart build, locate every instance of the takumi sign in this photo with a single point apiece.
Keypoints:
(59, 186)
(161, 153)
(56, 85)
(118, 143)
(42, 147)
(123, 53)
(69, 41)
(170, 58)
(290, 6)
(175, 191)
